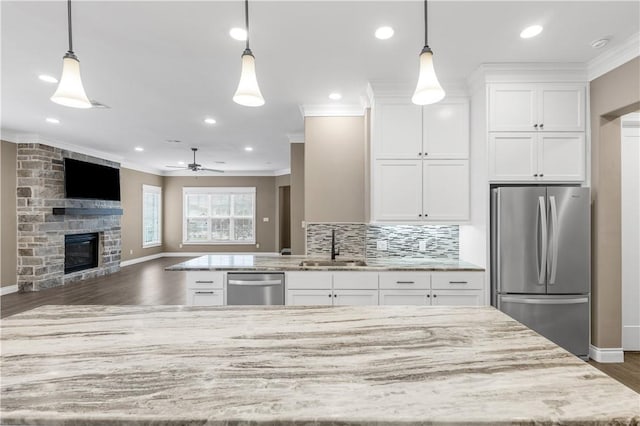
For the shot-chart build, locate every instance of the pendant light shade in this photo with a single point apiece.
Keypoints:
(70, 91)
(428, 90)
(248, 91)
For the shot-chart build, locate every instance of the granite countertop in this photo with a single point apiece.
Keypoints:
(174, 365)
(214, 262)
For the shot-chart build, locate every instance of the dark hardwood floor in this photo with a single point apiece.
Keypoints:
(149, 284)
(145, 283)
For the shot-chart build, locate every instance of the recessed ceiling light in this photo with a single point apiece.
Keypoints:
(210, 120)
(139, 148)
(384, 33)
(238, 34)
(531, 31)
(181, 163)
(248, 148)
(599, 44)
(335, 96)
(47, 78)
(52, 120)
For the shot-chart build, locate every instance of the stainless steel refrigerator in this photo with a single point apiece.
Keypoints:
(540, 260)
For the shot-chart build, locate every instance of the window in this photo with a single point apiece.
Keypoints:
(219, 215)
(151, 216)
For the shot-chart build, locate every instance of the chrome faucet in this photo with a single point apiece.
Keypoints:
(334, 252)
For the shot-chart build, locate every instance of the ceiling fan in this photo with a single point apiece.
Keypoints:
(195, 167)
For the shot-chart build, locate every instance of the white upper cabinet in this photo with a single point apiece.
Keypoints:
(513, 156)
(561, 157)
(445, 132)
(397, 194)
(536, 107)
(513, 107)
(397, 131)
(561, 108)
(446, 190)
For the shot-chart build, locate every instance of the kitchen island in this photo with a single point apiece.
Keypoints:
(175, 365)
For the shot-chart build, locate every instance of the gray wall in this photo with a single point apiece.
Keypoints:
(8, 217)
(297, 198)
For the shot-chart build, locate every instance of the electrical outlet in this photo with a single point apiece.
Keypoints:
(257, 245)
(265, 219)
(304, 224)
(382, 245)
(131, 251)
(180, 245)
(422, 245)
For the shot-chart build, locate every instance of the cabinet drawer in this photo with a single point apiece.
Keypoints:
(205, 279)
(405, 297)
(457, 280)
(355, 280)
(404, 280)
(308, 280)
(205, 297)
(309, 297)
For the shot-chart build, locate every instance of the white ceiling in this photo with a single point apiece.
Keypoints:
(163, 67)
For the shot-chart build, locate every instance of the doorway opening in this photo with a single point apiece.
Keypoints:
(284, 197)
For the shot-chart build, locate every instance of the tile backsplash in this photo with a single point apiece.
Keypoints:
(358, 240)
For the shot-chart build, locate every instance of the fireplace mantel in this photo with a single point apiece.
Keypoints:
(78, 211)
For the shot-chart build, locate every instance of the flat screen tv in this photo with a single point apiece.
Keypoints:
(91, 181)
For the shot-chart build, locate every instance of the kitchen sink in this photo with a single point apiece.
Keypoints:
(333, 263)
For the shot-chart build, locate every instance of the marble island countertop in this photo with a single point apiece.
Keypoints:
(214, 262)
(174, 365)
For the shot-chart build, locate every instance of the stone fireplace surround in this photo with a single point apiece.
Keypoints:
(40, 189)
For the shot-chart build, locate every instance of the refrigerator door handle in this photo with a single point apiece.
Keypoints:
(532, 301)
(554, 240)
(541, 258)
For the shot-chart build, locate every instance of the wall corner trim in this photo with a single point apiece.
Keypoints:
(606, 355)
(8, 289)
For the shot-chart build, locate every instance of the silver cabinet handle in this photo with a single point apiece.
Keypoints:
(545, 301)
(542, 257)
(554, 240)
(258, 283)
(405, 282)
(203, 282)
(458, 282)
(205, 292)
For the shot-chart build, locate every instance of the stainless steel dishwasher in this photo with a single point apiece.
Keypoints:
(252, 288)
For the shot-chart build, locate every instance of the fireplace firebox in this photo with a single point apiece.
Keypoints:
(80, 252)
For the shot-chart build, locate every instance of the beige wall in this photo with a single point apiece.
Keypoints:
(131, 182)
(8, 216)
(265, 207)
(367, 165)
(297, 199)
(334, 169)
(612, 95)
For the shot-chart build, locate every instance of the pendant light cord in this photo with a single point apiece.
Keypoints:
(246, 20)
(426, 34)
(69, 21)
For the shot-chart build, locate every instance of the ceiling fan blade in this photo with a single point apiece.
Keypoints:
(211, 170)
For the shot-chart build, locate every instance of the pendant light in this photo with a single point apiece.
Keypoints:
(428, 91)
(248, 92)
(70, 91)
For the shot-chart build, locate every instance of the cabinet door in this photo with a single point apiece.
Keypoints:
(397, 191)
(561, 156)
(398, 133)
(446, 190)
(204, 297)
(309, 297)
(457, 298)
(205, 279)
(405, 297)
(561, 107)
(355, 297)
(513, 107)
(513, 156)
(445, 130)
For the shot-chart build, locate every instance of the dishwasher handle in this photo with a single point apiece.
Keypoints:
(264, 283)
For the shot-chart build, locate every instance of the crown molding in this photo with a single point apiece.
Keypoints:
(296, 137)
(527, 72)
(8, 135)
(245, 173)
(282, 172)
(140, 168)
(332, 110)
(614, 57)
(36, 138)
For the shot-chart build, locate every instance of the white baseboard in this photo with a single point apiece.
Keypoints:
(188, 254)
(631, 337)
(141, 259)
(8, 289)
(606, 355)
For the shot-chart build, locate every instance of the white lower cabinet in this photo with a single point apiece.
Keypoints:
(309, 297)
(405, 297)
(205, 288)
(456, 298)
(355, 297)
(205, 297)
